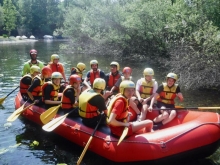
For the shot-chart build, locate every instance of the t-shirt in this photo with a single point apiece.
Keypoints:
(139, 82)
(27, 66)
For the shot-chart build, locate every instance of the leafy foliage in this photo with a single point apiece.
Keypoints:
(9, 16)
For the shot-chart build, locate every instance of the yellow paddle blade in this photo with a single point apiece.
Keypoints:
(18, 112)
(2, 100)
(10, 118)
(125, 132)
(49, 114)
(53, 124)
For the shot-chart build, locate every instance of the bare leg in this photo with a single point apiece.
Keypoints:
(161, 117)
(147, 124)
(144, 112)
(170, 117)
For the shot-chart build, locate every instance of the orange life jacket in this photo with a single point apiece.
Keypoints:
(146, 88)
(94, 75)
(38, 90)
(112, 80)
(65, 101)
(54, 93)
(168, 94)
(56, 67)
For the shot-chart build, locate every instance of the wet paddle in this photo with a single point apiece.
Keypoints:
(18, 112)
(53, 124)
(3, 99)
(49, 114)
(89, 141)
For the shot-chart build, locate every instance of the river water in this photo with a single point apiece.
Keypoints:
(16, 139)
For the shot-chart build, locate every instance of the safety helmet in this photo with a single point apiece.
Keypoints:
(127, 70)
(94, 62)
(54, 57)
(56, 75)
(126, 84)
(33, 51)
(116, 64)
(74, 79)
(34, 68)
(99, 83)
(172, 75)
(46, 71)
(81, 66)
(148, 72)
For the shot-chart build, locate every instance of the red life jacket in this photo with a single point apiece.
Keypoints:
(56, 67)
(24, 87)
(112, 80)
(65, 101)
(168, 94)
(94, 75)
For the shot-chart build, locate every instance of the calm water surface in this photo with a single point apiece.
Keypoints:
(16, 140)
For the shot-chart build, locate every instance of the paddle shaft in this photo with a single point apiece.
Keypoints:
(202, 108)
(12, 91)
(89, 141)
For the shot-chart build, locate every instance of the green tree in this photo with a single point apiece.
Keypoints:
(1, 17)
(9, 16)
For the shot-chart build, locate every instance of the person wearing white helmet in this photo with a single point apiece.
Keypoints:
(145, 89)
(118, 115)
(93, 74)
(165, 95)
(113, 77)
(33, 61)
(56, 66)
(26, 80)
(50, 90)
(92, 103)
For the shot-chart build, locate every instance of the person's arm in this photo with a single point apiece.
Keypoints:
(35, 83)
(117, 84)
(137, 91)
(179, 94)
(63, 72)
(86, 80)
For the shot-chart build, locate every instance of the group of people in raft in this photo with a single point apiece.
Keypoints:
(114, 95)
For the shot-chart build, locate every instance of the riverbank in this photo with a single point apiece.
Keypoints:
(14, 40)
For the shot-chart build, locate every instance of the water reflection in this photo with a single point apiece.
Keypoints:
(53, 149)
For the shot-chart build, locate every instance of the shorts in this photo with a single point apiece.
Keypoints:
(161, 104)
(118, 130)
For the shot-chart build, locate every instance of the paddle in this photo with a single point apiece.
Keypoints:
(124, 133)
(56, 122)
(18, 112)
(200, 108)
(49, 114)
(89, 141)
(3, 99)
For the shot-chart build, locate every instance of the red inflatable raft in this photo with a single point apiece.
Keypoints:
(191, 135)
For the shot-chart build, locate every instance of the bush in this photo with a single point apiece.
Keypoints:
(5, 35)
